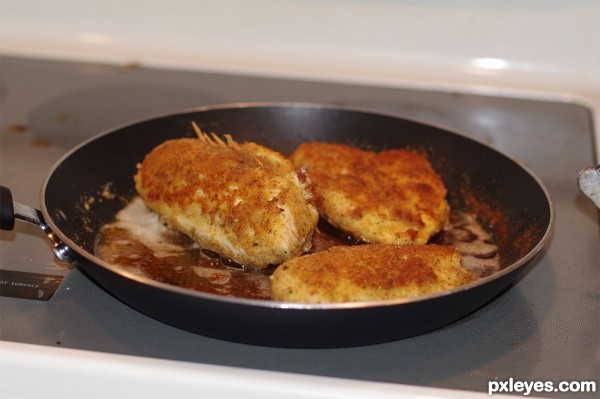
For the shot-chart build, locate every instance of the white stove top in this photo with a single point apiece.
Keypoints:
(527, 48)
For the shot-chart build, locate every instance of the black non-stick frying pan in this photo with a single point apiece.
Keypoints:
(508, 200)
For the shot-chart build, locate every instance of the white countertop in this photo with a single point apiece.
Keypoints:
(68, 373)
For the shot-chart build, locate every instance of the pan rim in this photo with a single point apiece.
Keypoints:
(266, 303)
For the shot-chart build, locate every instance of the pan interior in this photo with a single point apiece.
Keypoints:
(95, 181)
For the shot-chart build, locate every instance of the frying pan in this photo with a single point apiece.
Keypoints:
(509, 201)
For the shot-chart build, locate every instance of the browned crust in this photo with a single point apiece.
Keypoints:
(369, 272)
(244, 194)
(392, 197)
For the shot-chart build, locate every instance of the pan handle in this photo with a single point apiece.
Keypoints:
(589, 183)
(10, 210)
(7, 209)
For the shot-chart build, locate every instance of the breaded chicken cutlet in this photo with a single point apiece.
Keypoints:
(390, 197)
(368, 272)
(241, 200)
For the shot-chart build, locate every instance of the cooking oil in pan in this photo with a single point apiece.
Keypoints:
(141, 244)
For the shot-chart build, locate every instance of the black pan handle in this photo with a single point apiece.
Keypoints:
(10, 210)
(7, 209)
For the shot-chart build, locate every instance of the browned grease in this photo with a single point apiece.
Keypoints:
(141, 244)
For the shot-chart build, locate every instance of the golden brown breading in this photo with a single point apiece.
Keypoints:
(391, 197)
(243, 201)
(368, 272)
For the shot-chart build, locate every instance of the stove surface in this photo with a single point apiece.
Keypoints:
(544, 328)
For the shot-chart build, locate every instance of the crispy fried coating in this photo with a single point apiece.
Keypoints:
(368, 272)
(243, 201)
(390, 197)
